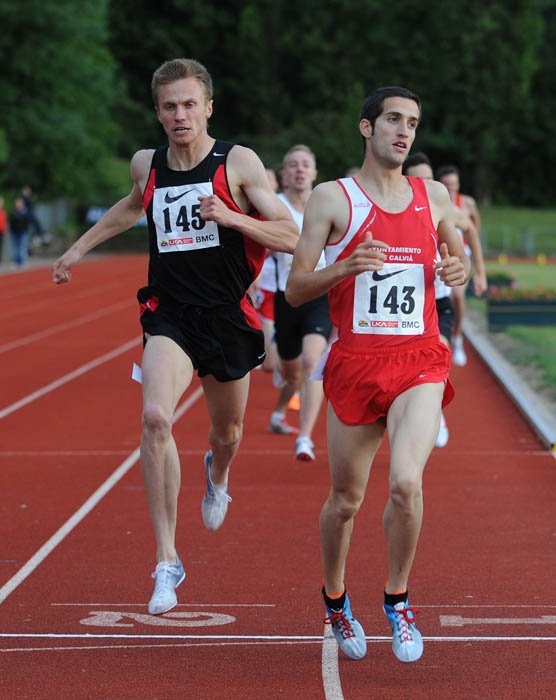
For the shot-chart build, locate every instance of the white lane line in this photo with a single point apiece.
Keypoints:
(46, 303)
(273, 605)
(68, 377)
(459, 621)
(260, 637)
(179, 605)
(63, 453)
(85, 509)
(279, 451)
(63, 327)
(159, 646)
(495, 605)
(330, 671)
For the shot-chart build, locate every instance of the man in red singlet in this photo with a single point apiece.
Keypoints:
(205, 252)
(388, 369)
(448, 175)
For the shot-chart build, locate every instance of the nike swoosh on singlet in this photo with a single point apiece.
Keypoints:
(218, 154)
(419, 208)
(378, 277)
(169, 199)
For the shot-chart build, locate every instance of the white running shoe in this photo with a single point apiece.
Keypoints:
(277, 378)
(279, 425)
(459, 357)
(407, 642)
(215, 502)
(443, 435)
(304, 449)
(348, 632)
(167, 578)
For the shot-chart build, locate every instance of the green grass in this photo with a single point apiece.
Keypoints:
(531, 346)
(535, 348)
(528, 275)
(519, 232)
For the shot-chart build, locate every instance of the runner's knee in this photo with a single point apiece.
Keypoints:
(227, 436)
(346, 503)
(406, 492)
(156, 423)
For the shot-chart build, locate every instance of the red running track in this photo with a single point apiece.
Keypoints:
(77, 547)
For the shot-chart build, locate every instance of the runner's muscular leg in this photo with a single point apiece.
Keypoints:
(291, 373)
(311, 394)
(226, 402)
(167, 372)
(351, 450)
(413, 421)
(458, 297)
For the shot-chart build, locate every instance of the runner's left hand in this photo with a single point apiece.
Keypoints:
(450, 268)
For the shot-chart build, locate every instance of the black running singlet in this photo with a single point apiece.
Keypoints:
(194, 261)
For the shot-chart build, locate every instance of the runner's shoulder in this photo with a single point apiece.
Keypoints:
(141, 162)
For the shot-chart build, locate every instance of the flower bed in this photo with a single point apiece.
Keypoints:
(509, 306)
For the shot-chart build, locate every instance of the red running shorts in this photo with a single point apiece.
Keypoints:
(361, 385)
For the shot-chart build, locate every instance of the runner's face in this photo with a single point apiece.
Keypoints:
(451, 182)
(394, 131)
(299, 172)
(422, 170)
(183, 110)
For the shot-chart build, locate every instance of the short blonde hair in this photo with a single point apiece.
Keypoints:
(179, 68)
(299, 147)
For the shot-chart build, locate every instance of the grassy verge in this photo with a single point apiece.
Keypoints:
(528, 347)
(518, 231)
(528, 275)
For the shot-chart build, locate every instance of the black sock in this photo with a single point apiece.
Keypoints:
(334, 603)
(393, 598)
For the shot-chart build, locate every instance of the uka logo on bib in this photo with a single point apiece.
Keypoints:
(178, 221)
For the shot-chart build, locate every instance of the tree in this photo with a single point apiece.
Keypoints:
(57, 96)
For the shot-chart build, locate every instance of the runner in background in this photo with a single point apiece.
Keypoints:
(448, 175)
(301, 333)
(262, 294)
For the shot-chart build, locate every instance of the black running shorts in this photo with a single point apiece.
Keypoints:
(446, 316)
(224, 341)
(292, 324)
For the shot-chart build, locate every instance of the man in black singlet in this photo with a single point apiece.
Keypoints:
(212, 214)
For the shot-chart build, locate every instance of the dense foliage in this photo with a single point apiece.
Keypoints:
(78, 87)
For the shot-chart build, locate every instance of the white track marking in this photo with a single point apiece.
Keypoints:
(458, 621)
(280, 451)
(113, 618)
(63, 327)
(259, 637)
(330, 671)
(68, 377)
(156, 646)
(46, 303)
(64, 453)
(179, 605)
(85, 509)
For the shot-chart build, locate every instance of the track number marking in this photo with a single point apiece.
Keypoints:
(111, 618)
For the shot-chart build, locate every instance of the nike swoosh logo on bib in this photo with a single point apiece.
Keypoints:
(378, 277)
(169, 199)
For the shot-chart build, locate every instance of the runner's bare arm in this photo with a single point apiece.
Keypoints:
(126, 212)
(454, 265)
(326, 212)
(472, 210)
(464, 222)
(251, 188)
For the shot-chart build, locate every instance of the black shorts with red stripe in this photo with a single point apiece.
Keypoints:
(225, 341)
